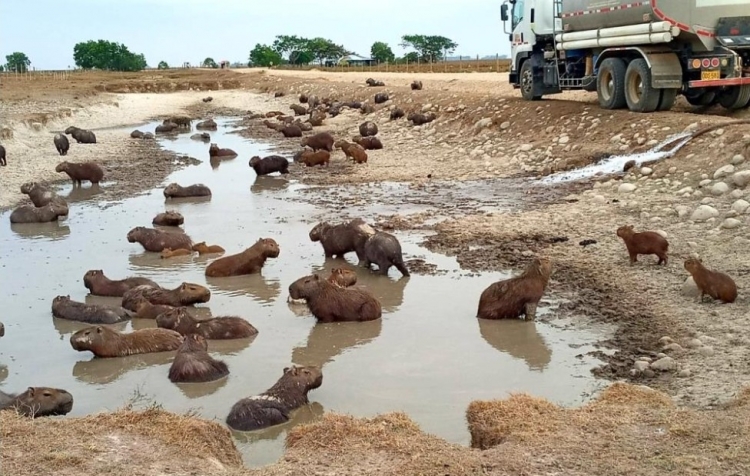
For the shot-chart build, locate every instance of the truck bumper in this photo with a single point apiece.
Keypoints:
(719, 82)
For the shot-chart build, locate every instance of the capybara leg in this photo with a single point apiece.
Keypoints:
(662, 259)
(633, 258)
(401, 266)
(530, 311)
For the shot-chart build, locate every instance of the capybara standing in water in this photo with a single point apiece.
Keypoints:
(645, 243)
(3, 161)
(82, 136)
(714, 283)
(368, 143)
(146, 310)
(203, 136)
(368, 128)
(104, 342)
(384, 250)
(193, 364)
(331, 303)
(231, 327)
(61, 144)
(168, 218)
(337, 240)
(274, 406)
(311, 159)
(416, 85)
(100, 285)
(186, 294)
(170, 253)
(353, 151)
(343, 277)
(65, 308)
(204, 249)
(38, 402)
(291, 131)
(319, 141)
(175, 190)
(156, 241)
(208, 125)
(215, 151)
(45, 214)
(510, 298)
(249, 261)
(39, 194)
(269, 165)
(90, 171)
(166, 128)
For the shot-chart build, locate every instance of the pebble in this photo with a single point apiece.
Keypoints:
(647, 171)
(505, 125)
(693, 343)
(684, 373)
(672, 170)
(731, 224)
(640, 366)
(724, 171)
(600, 199)
(738, 159)
(741, 178)
(719, 188)
(689, 288)
(737, 194)
(673, 347)
(629, 188)
(665, 364)
(526, 147)
(685, 190)
(703, 213)
(682, 211)
(665, 340)
(482, 123)
(707, 350)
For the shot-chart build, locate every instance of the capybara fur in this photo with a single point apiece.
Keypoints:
(316, 118)
(291, 131)
(714, 283)
(331, 303)
(146, 310)
(156, 241)
(203, 249)
(166, 128)
(39, 194)
(397, 113)
(45, 214)
(170, 253)
(298, 110)
(311, 159)
(303, 98)
(208, 125)
(215, 151)
(65, 308)
(270, 164)
(249, 261)
(374, 82)
(277, 126)
(193, 364)
(368, 128)
(38, 402)
(186, 294)
(61, 144)
(384, 250)
(215, 328)
(82, 136)
(100, 285)
(368, 143)
(181, 121)
(3, 161)
(644, 243)
(136, 134)
(297, 157)
(510, 298)
(168, 218)
(380, 98)
(353, 151)
(337, 240)
(416, 85)
(367, 108)
(273, 407)
(343, 277)
(418, 119)
(175, 190)
(319, 141)
(105, 342)
(90, 171)
(203, 136)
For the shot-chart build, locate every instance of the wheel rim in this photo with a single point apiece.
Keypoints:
(635, 88)
(526, 81)
(608, 85)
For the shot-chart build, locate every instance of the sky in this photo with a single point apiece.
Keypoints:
(177, 31)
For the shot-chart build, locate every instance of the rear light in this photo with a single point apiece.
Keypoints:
(696, 63)
(715, 63)
(706, 63)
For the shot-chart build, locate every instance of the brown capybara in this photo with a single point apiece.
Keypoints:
(645, 243)
(384, 250)
(175, 190)
(277, 126)
(397, 113)
(270, 164)
(31, 214)
(100, 285)
(186, 294)
(61, 144)
(368, 143)
(168, 218)
(367, 108)
(337, 240)
(207, 125)
(146, 310)
(319, 141)
(38, 402)
(193, 364)
(316, 118)
(331, 303)
(418, 119)
(39, 194)
(353, 151)
(90, 171)
(714, 283)
(274, 114)
(291, 131)
(166, 128)
(136, 134)
(231, 327)
(416, 85)
(82, 136)
(305, 126)
(181, 121)
(249, 261)
(628, 165)
(298, 110)
(207, 99)
(3, 161)
(368, 129)
(303, 98)
(380, 98)
(65, 308)
(215, 151)
(105, 342)
(343, 277)
(203, 249)
(510, 298)
(311, 159)
(156, 241)
(273, 407)
(203, 137)
(313, 101)
(374, 82)
(170, 253)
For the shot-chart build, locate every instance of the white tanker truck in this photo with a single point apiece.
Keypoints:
(634, 54)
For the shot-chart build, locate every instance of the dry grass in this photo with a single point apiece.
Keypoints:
(468, 66)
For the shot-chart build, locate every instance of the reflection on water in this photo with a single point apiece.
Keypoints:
(254, 285)
(100, 371)
(143, 260)
(265, 183)
(519, 339)
(65, 327)
(52, 231)
(82, 194)
(177, 201)
(326, 341)
(3, 372)
(202, 389)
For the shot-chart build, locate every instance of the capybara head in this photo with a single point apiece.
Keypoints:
(343, 277)
(59, 300)
(172, 188)
(213, 149)
(270, 247)
(43, 401)
(193, 343)
(88, 338)
(190, 292)
(62, 167)
(71, 129)
(308, 377)
(254, 161)
(173, 318)
(305, 287)
(693, 264)
(28, 187)
(540, 266)
(318, 231)
(135, 234)
(625, 231)
(91, 276)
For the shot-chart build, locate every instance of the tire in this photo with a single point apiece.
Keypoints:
(736, 97)
(526, 81)
(667, 99)
(639, 94)
(610, 84)
(705, 98)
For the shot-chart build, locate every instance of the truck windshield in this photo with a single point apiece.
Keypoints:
(517, 13)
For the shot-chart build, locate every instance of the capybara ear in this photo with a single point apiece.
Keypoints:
(30, 391)
(287, 369)
(316, 277)
(99, 329)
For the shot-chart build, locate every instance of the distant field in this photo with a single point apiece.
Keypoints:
(469, 66)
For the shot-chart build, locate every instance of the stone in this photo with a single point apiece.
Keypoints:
(483, 123)
(693, 343)
(647, 171)
(563, 140)
(703, 213)
(665, 364)
(682, 211)
(690, 289)
(640, 366)
(724, 171)
(707, 350)
(685, 190)
(672, 170)
(665, 340)
(740, 206)
(741, 178)
(738, 159)
(673, 347)
(684, 373)
(736, 194)
(505, 125)
(600, 199)
(719, 188)
(526, 147)
(427, 107)
(630, 188)
(731, 224)
(704, 182)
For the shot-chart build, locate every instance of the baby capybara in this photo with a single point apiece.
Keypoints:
(203, 249)
(714, 283)
(179, 320)
(215, 151)
(100, 285)
(384, 250)
(90, 171)
(193, 364)
(510, 298)
(249, 261)
(311, 159)
(170, 253)
(368, 143)
(146, 310)
(645, 243)
(343, 277)
(175, 190)
(168, 218)
(105, 342)
(353, 151)
(331, 303)
(269, 165)
(291, 131)
(38, 402)
(319, 141)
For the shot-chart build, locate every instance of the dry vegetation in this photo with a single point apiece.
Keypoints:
(463, 66)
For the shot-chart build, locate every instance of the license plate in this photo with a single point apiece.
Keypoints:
(710, 75)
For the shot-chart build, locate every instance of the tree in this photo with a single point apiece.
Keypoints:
(382, 53)
(429, 47)
(300, 57)
(264, 55)
(17, 62)
(209, 63)
(163, 65)
(323, 49)
(286, 44)
(305, 50)
(107, 55)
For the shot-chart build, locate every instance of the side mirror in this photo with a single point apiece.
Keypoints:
(504, 12)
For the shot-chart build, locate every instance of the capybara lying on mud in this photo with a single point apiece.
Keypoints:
(274, 406)
(368, 128)
(337, 240)
(39, 194)
(175, 190)
(249, 261)
(38, 402)
(714, 283)
(208, 125)
(277, 126)
(316, 118)
(645, 243)
(203, 136)
(397, 113)
(3, 160)
(384, 250)
(166, 128)
(180, 321)
(331, 303)
(156, 241)
(215, 151)
(418, 119)
(104, 342)
(170, 253)
(319, 141)
(374, 82)
(416, 85)
(298, 110)
(136, 134)
(193, 364)
(45, 214)
(168, 218)
(311, 159)
(352, 151)
(61, 144)
(82, 136)
(380, 98)
(368, 143)
(90, 171)
(186, 294)
(510, 298)
(343, 277)
(291, 131)
(204, 249)
(146, 310)
(207, 99)
(270, 164)
(100, 285)
(65, 308)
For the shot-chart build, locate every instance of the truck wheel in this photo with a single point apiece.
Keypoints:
(610, 84)
(706, 98)
(639, 93)
(527, 82)
(735, 98)
(666, 99)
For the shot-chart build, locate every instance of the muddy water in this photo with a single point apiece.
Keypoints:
(429, 356)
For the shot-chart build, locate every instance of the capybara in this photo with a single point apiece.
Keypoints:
(215, 151)
(303, 98)
(82, 136)
(279, 94)
(274, 114)
(231, 327)
(270, 164)
(181, 121)
(168, 218)
(170, 253)
(714, 283)
(61, 144)
(319, 141)
(368, 143)
(146, 310)
(510, 298)
(367, 108)
(298, 110)
(202, 136)
(175, 190)
(416, 85)
(384, 250)
(147, 135)
(65, 308)
(374, 82)
(418, 119)
(304, 126)
(337, 240)
(186, 294)
(343, 277)
(645, 243)
(311, 159)
(277, 126)
(297, 157)
(331, 303)
(2, 329)
(380, 98)
(274, 406)
(208, 125)
(3, 161)
(628, 165)
(39, 194)
(397, 113)
(291, 131)
(166, 128)
(368, 128)
(104, 342)
(207, 99)
(100, 285)
(249, 261)
(45, 214)
(352, 151)
(90, 171)
(316, 118)
(204, 249)
(156, 241)
(136, 134)
(193, 364)
(313, 101)
(38, 402)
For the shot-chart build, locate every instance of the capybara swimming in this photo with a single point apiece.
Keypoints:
(249, 261)
(203, 136)
(65, 308)
(343, 277)
(204, 249)
(39, 194)
(337, 240)
(645, 243)
(105, 342)
(230, 327)
(418, 119)
(331, 303)
(3, 161)
(368, 128)
(274, 406)
(168, 218)
(82, 136)
(291, 131)
(311, 159)
(193, 364)
(38, 402)
(416, 85)
(319, 141)
(186, 294)
(368, 143)
(100, 285)
(45, 214)
(510, 298)
(175, 190)
(374, 82)
(209, 125)
(90, 171)
(298, 110)
(170, 253)
(397, 113)
(270, 164)
(353, 151)
(216, 151)
(714, 283)
(384, 250)
(146, 310)
(61, 144)
(156, 241)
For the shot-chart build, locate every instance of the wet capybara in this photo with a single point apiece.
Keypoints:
(38, 402)
(203, 136)
(61, 144)
(209, 125)
(368, 128)
(170, 253)
(3, 161)
(39, 194)
(645, 243)
(90, 171)
(384, 250)
(166, 128)
(270, 164)
(274, 406)
(311, 159)
(418, 119)
(374, 82)
(193, 364)
(156, 241)
(216, 151)
(186, 294)
(100, 285)
(105, 342)
(331, 303)
(352, 151)
(716, 284)
(82, 136)
(203, 249)
(298, 110)
(146, 310)
(65, 308)
(397, 113)
(249, 261)
(368, 143)
(181, 121)
(380, 98)
(510, 298)
(175, 190)
(168, 218)
(45, 214)
(337, 240)
(136, 134)
(416, 85)
(291, 131)
(230, 327)
(319, 141)
(343, 277)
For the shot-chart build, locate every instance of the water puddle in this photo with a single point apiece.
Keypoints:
(429, 356)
